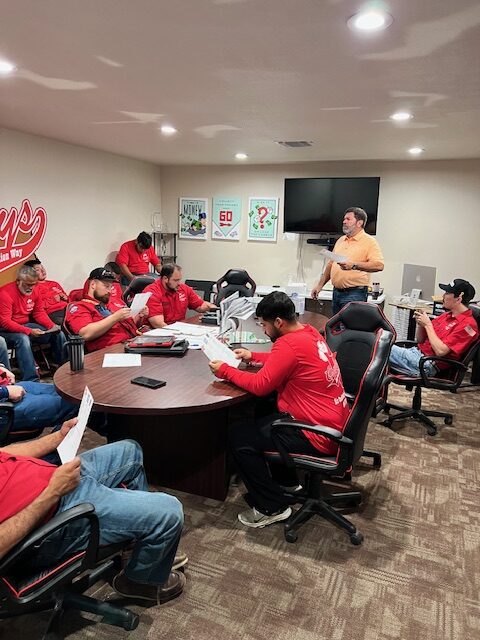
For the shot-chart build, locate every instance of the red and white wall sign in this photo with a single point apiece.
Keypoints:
(21, 233)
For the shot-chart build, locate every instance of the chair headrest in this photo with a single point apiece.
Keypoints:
(236, 276)
(360, 316)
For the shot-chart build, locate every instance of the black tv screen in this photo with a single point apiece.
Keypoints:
(317, 205)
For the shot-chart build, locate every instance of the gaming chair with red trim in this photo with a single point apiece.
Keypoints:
(447, 379)
(362, 339)
(235, 280)
(60, 587)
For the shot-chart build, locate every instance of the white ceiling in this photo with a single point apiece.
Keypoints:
(239, 75)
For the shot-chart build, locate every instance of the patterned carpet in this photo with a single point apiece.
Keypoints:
(416, 576)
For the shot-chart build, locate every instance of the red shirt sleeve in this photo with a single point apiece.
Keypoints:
(275, 372)
(154, 259)
(460, 338)
(194, 300)
(78, 316)
(259, 356)
(122, 255)
(6, 312)
(39, 314)
(155, 302)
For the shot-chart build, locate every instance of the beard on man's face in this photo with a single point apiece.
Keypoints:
(104, 299)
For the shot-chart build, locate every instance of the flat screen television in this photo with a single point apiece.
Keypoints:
(317, 205)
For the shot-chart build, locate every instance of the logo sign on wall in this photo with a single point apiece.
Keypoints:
(21, 233)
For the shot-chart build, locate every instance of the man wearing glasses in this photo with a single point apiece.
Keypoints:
(23, 321)
(98, 319)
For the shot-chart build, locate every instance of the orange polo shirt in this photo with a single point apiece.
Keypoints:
(359, 248)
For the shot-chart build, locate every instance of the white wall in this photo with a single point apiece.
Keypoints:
(428, 215)
(94, 200)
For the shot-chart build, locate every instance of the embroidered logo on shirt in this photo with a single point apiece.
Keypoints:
(73, 309)
(30, 304)
(470, 330)
(145, 257)
(181, 296)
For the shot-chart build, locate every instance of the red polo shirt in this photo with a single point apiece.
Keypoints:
(136, 261)
(85, 311)
(116, 292)
(17, 309)
(172, 305)
(22, 479)
(458, 333)
(48, 289)
(306, 376)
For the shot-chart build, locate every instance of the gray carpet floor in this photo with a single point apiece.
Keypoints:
(416, 576)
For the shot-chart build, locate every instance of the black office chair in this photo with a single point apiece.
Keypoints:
(137, 285)
(203, 288)
(235, 280)
(449, 379)
(7, 435)
(316, 498)
(61, 586)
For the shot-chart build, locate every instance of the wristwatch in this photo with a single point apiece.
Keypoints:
(354, 265)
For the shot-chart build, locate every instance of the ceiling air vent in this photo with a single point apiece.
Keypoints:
(294, 144)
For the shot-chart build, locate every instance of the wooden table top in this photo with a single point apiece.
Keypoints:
(191, 387)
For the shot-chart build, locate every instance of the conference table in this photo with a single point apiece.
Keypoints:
(182, 427)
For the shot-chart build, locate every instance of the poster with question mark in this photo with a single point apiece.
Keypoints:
(262, 219)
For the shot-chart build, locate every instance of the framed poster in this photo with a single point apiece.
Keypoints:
(193, 216)
(262, 219)
(226, 218)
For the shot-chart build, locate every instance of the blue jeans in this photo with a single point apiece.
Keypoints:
(40, 407)
(23, 348)
(341, 298)
(407, 360)
(152, 520)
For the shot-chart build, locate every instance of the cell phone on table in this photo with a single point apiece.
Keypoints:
(151, 383)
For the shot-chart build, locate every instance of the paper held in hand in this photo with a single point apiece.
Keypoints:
(332, 256)
(216, 350)
(67, 449)
(139, 301)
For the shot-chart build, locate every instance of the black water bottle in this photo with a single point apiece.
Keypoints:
(76, 347)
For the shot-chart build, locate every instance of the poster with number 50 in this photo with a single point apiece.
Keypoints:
(262, 219)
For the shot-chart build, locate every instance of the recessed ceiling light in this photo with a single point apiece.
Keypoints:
(241, 156)
(6, 67)
(370, 21)
(401, 116)
(415, 151)
(167, 130)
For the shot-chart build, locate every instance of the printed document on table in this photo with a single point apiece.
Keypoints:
(332, 256)
(194, 336)
(139, 301)
(216, 350)
(122, 360)
(67, 449)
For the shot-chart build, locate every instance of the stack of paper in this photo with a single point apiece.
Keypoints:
(235, 307)
(185, 331)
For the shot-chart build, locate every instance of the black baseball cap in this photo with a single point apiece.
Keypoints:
(459, 286)
(100, 273)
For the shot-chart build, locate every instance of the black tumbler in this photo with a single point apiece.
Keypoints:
(76, 346)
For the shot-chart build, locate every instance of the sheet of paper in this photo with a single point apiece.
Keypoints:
(139, 301)
(332, 256)
(67, 449)
(216, 350)
(194, 341)
(122, 360)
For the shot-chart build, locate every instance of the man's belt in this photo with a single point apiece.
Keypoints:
(363, 286)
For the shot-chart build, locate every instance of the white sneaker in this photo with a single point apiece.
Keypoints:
(258, 520)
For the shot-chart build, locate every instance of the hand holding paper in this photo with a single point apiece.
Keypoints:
(139, 302)
(216, 350)
(332, 256)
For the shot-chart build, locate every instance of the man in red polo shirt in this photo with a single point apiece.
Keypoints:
(32, 490)
(23, 320)
(99, 320)
(303, 371)
(171, 298)
(135, 256)
(52, 293)
(448, 335)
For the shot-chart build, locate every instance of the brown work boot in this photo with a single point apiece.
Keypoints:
(170, 589)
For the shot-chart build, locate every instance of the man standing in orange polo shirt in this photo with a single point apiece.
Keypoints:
(363, 255)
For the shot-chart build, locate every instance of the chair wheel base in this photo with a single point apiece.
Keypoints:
(448, 420)
(432, 431)
(291, 536)
(356, 538)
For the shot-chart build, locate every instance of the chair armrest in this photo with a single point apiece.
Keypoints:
(444, 383)
(407, 344)
(80, 511)
(330, 433)
(7, 409)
